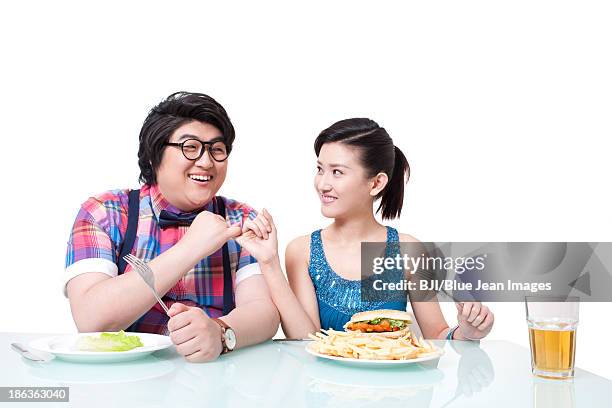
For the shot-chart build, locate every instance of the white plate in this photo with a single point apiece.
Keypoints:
(64, 347)
(373, 363)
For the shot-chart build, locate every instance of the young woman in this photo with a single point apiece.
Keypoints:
(357, 164)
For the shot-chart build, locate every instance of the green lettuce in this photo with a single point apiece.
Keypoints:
(397, 323)
(109, 342)
(400, 324)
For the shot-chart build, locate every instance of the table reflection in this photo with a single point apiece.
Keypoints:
(66, 372)
(329, 383)
(549, 393)
(475, 370)
(104, 385)
(270, 374)
(247, 377)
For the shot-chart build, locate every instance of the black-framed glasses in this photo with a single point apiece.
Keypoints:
(193, 149)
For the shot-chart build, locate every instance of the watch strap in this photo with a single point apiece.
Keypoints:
(221, 323)
(224, 326)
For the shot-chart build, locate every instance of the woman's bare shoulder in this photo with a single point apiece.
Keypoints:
(298, 248)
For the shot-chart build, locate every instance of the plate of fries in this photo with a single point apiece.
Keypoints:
(367, 349)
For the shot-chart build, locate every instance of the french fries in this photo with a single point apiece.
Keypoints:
(370, 347)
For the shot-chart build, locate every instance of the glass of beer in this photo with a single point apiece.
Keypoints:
(552, 323)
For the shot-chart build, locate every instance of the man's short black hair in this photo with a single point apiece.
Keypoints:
(173, 112)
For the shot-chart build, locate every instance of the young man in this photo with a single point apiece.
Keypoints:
(217, 296)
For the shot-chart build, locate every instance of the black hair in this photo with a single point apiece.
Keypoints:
(170, 114)
(377, 153)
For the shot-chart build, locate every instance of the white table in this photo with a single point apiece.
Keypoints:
(490, 374)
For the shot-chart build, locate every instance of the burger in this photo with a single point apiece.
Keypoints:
(388, 323)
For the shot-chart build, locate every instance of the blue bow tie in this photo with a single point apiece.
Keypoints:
(169, 219)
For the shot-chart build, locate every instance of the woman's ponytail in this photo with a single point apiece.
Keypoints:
(392, 198)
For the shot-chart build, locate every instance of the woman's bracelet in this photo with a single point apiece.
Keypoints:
(449, 336)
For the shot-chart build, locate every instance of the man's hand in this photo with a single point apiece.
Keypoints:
(208, 233)
(196, 336)
(259, 237)
(475, 320)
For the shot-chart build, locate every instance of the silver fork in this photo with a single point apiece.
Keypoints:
(146, 274)
(27, 353)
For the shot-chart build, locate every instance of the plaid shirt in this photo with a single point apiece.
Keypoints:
(100, 228)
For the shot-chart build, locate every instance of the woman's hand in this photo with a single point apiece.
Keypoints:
(475, 320)
(259, 238)
(207, 233)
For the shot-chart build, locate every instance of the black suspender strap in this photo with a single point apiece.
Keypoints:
(228, 295)
(132, 227)
(130, 237)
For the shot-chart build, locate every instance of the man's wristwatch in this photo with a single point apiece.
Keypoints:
(228, 336)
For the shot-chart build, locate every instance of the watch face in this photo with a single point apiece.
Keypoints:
(230, 339)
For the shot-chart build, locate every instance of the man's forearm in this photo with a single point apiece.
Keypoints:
(115, 303)
(253, 322)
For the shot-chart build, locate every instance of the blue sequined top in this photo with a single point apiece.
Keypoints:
(340, 298)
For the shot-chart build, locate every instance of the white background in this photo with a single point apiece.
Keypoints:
(503, 111)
